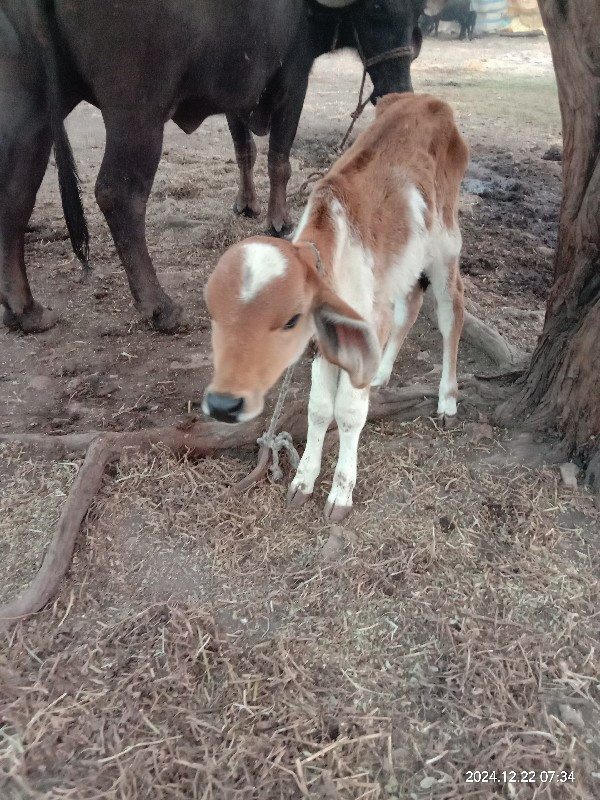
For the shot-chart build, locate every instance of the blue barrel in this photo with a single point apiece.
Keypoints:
(492, 15)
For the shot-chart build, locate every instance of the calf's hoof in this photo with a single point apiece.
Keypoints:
(448, 421)
(335, 512)
(380, 380)
(296, 498)
(34, 319)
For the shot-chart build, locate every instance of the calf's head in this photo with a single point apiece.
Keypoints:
(267, 299)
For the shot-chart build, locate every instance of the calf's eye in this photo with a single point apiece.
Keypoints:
(291, 323)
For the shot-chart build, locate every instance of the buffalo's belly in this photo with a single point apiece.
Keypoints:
(190, 114)
(248, 95)
(175, 60)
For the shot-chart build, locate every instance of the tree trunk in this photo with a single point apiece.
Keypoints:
(561, 389)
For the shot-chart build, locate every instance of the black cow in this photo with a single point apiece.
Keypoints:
(453, 11)
(143, 62)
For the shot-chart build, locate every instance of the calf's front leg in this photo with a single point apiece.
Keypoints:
(351, 408)
(320, 415)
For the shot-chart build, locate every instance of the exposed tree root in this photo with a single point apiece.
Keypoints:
(60, 552)
(203, 438)
(257, 474)
(485, 338)
(482, 337)
(200, 439)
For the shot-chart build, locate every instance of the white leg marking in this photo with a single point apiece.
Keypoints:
(406, 311)
(351, 407)
(323, 389)
(263, 263)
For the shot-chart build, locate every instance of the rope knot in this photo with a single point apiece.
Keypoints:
(282, 441)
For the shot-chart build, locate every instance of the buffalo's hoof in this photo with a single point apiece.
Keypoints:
(168, 318)
(250, 209)
(335, 512)
(296, 498)
(280, 230)
(35, 319)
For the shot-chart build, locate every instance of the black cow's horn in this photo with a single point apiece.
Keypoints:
(335, 3)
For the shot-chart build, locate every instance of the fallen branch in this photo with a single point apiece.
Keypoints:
(199, 439)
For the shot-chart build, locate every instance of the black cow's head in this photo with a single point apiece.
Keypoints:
(377, 29)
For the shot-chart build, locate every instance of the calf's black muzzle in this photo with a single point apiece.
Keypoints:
(223, 407)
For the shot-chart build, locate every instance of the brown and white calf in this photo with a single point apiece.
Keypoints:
(377, 229)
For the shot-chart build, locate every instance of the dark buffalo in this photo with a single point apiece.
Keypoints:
(453, 11)
(143, 62)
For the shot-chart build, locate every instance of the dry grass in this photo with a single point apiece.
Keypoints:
(32, 493)
(215, 647)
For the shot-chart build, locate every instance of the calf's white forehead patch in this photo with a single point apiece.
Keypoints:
(262, 264)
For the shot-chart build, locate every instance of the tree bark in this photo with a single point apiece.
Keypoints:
(561, 389)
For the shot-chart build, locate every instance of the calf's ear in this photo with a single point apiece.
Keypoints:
(345, 339)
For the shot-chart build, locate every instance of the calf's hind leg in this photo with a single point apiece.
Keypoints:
(447, 287)
(133, 150)
(406, 311)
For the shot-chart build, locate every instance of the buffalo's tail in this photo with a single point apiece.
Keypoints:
(68, 177)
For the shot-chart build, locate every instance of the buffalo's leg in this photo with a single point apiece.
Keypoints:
(131, 157)
(25, 142)
(283, 132)
(245, 154)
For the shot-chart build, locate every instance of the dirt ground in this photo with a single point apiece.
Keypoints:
(210, 647)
